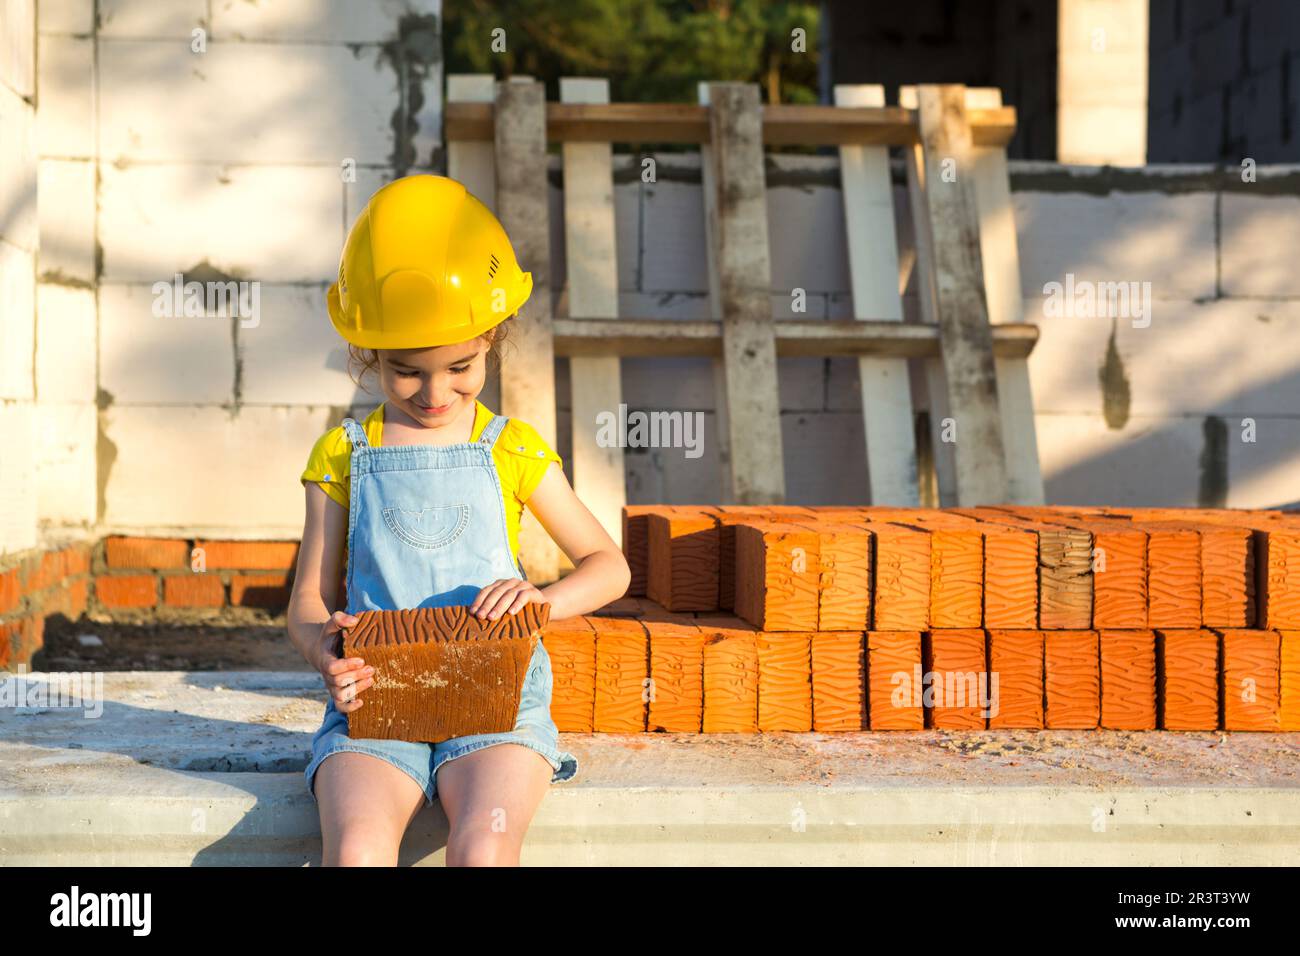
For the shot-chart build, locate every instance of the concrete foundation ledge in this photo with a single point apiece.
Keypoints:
(205, 768)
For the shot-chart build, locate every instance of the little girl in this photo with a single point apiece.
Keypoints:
(421, 503)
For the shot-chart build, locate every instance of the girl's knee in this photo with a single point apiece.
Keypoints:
(478, 847)
(361, 845)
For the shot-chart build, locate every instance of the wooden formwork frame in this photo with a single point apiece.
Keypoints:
(972, 337)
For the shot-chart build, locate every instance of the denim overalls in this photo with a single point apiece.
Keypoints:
(427, 528)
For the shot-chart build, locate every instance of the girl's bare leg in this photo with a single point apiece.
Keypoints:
(490, 797)
(366, 805)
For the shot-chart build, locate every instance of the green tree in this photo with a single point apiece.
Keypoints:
(649, 50)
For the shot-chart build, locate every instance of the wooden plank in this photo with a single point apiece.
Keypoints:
(782, 124)
(738, 244)
(800, 338)
(967, 341)
(473, 162)
(943, 492)
(528, 368)
(873, 269)
(1001, 258)
(592, 266)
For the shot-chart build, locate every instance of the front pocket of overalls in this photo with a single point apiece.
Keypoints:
(427, 528)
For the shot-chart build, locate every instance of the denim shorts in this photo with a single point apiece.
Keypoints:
(534, 728)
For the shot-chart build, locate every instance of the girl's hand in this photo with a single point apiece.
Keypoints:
(505, 596)
(344, 678)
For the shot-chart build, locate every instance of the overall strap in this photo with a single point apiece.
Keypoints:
(493, 430)
(356, 434)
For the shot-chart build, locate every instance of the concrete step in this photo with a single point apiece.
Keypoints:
(202, 768)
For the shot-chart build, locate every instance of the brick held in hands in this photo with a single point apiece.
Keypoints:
(730, 676)
(622, 669)
(777, 576)
(893, 680)
(1187, 673)
(839, 681)
(1128, 679)
(571, 644)
(683, 561)
(676, 702)
(1016, 661)
(1072, 675)
(1250, 679)
(441, 672)
(956, 659)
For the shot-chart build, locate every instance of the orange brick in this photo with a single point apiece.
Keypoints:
(1120, 578)
(1278, 553)
(1064, 578)
(571, 644)
(142, 553)
(956, 578)
(731, 516)
(636, 543)
(954, 659)
(10, 591)
(777, 576)
(1250, 683)
(1227, 576)
(127, 590)
(193, 590)
(1128, 679)
(730, 676)
(1174, 575)
(259, 590)
(894, 688)
(1289, 682)
(76, 560)
(901, 601)
(676, 677)
(839, 681)
(683, 561)
(784, 681)
(1016, 663)
(245, 555)
(1010, 577)
(1188, 678)
(844, 562)
(622, 669)
(1072, 668)
(8, 637)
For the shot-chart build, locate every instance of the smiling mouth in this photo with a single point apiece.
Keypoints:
(433, 409)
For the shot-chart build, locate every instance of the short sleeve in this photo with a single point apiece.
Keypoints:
(530, 456)
(329, 464)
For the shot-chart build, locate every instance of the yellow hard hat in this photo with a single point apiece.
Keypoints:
(425, 264)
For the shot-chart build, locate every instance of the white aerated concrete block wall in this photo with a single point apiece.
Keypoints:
(226, 142)
(19, 242)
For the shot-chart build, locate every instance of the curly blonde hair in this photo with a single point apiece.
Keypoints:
(367, 360)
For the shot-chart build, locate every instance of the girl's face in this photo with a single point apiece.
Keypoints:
(434, 385)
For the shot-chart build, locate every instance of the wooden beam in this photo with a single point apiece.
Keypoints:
(782, 124)
(592, 276)
(1000, 255)
(868, 196)
(528, 369)
(795, 338)
(738, 234)
(965, 336)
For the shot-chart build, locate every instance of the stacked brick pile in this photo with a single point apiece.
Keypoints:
(787, 618)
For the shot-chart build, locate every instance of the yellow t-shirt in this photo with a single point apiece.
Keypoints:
(520, 454)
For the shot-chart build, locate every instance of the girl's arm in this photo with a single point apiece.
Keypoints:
(313, 620)
(600, 572)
